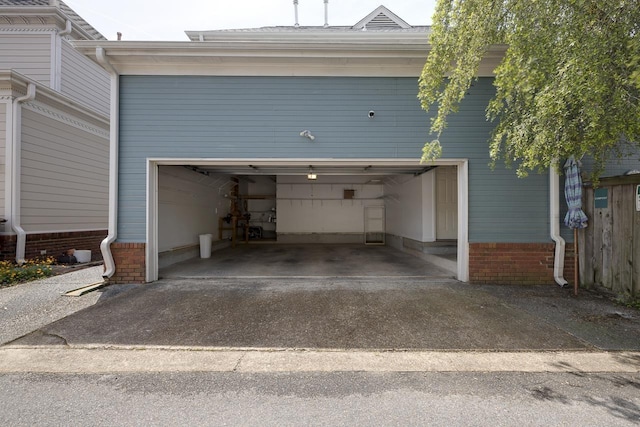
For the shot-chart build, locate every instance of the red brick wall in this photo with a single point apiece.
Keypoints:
(130, 262)
(516, 263)
(54, 244)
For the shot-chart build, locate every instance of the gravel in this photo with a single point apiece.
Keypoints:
(29, 306)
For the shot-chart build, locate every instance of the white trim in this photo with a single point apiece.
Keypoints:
(46, 96)
(28, 30)
(151, 252)
(54, 63)
(27, 18)
(302, 162)
(151, 255)
(8, 154)
(83, 230)
(61, 116)
(463, 221)
(361, 53)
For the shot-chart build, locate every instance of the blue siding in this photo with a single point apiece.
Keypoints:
(221, 117)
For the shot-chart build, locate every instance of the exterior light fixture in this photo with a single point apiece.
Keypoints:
(311, 175)
(307, 134)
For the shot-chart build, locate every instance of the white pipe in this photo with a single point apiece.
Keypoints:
(326, 13)
(295, 9)
(554, 220)
(105, 245)
(67, 29)
(21, 236)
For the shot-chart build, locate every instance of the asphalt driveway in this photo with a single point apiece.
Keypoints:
(346, 313)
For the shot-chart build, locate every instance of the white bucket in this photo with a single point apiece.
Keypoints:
(205, 245)
(82, 256)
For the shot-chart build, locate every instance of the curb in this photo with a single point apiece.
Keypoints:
(96, 360)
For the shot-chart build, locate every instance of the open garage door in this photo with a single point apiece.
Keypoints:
(298, 202)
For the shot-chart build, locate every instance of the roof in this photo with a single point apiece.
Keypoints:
(76, 19)
(381, 20)
(379, 45)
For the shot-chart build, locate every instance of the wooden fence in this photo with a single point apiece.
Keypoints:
(609, 248)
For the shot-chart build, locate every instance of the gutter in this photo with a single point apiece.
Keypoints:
(21, 235)
(105, 245)
(554, 225)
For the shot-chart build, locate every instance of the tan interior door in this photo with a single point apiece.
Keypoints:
(446, 203)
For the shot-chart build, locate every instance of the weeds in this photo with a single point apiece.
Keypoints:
(629, 301)
(12, 273)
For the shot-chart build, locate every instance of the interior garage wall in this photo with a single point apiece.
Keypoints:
(318, 208)
(409, 207)
(189, 204)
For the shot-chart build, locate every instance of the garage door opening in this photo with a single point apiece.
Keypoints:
(392, 211)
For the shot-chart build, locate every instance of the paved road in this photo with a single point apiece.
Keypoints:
(283, 399)
(105, 365)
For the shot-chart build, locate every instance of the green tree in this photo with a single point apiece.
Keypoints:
(565, 86)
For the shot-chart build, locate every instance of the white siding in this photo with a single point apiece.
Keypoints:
(189, 204)
(83, 80)
(28, 54)
(3, 144)
(64, 179)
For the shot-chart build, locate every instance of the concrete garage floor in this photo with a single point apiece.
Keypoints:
(305, 260)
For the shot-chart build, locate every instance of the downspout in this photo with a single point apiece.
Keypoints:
(67, 29)
(554, 222)
(105, 245)
(21, 236)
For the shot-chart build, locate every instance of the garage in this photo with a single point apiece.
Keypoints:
(306, 217)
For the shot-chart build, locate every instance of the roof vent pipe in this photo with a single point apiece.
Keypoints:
(54, 3)
(295, 8)
(326, 13)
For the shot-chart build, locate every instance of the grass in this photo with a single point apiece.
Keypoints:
(12, 273)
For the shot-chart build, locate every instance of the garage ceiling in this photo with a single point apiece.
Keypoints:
(320, 169)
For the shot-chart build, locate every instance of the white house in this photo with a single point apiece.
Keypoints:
(54, 132)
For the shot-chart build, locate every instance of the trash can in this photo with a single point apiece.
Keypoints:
(205, 245)
(82, 255)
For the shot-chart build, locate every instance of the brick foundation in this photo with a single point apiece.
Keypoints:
(54, 244)
(129, 259)
(516, 263)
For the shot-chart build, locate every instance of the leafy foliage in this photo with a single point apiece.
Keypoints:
(568, 83)
(12, 273)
